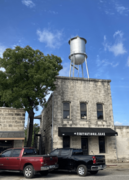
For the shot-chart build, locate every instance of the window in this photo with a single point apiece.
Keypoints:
(55, 152)
(6, 153)
(66, 141)
(16, 153)
(83, 110)
(102, 144)
(29, 152)
(77, 152)
(65, 152)
(66, 110)
(100, 111)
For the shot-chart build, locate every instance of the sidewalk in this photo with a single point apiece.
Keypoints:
(124, 165)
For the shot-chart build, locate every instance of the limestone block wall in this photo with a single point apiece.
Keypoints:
(122, 142)
(12, 119)
(46, 128)
(18, 143)
(76, 90)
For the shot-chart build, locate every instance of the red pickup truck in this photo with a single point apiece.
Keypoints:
(26, 160)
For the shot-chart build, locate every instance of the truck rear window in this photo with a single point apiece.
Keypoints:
(29, 152)
(77, 152)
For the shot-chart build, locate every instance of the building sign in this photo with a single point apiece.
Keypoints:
(89, 134)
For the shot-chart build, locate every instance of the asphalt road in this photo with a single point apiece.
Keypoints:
(107, 174)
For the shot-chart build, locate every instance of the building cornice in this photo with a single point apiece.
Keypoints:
(83, 79)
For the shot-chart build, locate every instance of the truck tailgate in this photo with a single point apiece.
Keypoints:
(100, 159)
(50, 160)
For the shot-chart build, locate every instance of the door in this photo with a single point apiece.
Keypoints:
(63, 159)
(84, 145)
(4, 159)
(14, 160)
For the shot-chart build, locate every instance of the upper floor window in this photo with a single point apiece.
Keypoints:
(99, 111)
(83, 110)
(66, 110)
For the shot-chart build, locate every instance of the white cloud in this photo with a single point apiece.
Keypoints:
(118, 47)
(118, 33)
(52, 39)
(128, 61)
(121, 9)
(118, 123)
(28, 3)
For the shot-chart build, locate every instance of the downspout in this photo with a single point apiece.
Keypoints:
(52, 120)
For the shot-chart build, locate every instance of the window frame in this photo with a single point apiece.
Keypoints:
(67, 110)
(101, 144)
(81, 111)
(5, 152)
(14, 151)
(99, 110)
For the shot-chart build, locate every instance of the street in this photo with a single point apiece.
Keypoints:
(107, 174)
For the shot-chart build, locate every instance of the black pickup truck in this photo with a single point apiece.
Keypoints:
(73, 159)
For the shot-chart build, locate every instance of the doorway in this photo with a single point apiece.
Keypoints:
(84, 145)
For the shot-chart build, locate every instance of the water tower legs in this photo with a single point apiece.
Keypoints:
(82, 70)
(87, 68)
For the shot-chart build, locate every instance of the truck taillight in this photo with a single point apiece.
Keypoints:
(41, 160)
(94, 159)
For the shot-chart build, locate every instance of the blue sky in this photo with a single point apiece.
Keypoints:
(47, 25)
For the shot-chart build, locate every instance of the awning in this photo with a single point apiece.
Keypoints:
(12, 135)
(79, 131)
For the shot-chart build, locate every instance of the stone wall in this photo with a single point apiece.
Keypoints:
(46, 128)
(122, 142)
(12, 119)
(76, 90)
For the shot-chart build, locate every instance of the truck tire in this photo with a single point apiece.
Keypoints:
(28, 171)
(44, 173)
(82, 170)
(93, 172)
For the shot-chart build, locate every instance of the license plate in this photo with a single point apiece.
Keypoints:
(53, 166)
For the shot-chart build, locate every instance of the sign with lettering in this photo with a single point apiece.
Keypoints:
(89, 134)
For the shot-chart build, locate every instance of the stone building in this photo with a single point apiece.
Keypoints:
(11, 128)
(79, 115)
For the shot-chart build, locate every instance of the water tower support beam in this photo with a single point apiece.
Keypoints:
(78, 70)
(70, 69)
(87, 68)
(73, 65)
(82, 70)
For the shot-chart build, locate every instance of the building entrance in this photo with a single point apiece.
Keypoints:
(5, 144)
(84, 145)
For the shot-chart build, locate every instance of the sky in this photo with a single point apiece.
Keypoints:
(48, 25)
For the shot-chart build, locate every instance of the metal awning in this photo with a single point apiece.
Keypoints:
(12, 135)
(79, 131)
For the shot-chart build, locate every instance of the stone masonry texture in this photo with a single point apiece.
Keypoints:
(76, 90)
(12, 122)
(12, 119)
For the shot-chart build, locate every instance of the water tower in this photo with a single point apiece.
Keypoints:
(77, 54)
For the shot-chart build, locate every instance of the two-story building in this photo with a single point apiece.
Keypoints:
(79, 115)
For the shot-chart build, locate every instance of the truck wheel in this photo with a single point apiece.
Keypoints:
(82, 170)
(28, 171)
(93, 172)
(44, 173)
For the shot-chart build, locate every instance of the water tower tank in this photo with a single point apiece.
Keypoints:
(77, 50)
